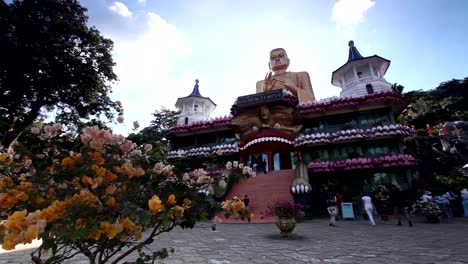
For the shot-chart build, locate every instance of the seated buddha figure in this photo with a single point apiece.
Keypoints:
(298, 83)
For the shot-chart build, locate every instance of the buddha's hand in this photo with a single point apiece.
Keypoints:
(268, 82)
(288, 84)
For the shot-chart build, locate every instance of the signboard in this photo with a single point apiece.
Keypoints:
(347, 210)
(260, 98)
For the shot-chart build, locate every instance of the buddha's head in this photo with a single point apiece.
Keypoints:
(278, 60)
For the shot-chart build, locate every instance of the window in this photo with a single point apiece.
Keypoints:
(369, 88)
(195, 108)
(186, 121)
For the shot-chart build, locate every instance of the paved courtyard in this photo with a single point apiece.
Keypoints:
(312, 242)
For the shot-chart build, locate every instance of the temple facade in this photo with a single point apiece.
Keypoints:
(348, 144)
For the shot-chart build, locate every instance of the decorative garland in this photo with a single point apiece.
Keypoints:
(379, 131)
(200, 125)
(363, 163)
(219, 150)
(333, 103)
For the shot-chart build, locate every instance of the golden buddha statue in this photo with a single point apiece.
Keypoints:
(297, 82)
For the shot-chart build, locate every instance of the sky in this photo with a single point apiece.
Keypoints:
(162, 46)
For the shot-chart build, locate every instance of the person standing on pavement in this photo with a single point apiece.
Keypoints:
(464, 196)
(332, 210)
(369, 208)
(400, 205)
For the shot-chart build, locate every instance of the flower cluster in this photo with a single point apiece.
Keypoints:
(108, 194)
(327, 105)
(218, 150)
(47, 131)
(352, 134)
(426, 208)
(235, 165)
(236, 207)
(201, 125)
(363, 163)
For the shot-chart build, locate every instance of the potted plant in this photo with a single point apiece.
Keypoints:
(285, 213)
(300, 211)
(429, 209)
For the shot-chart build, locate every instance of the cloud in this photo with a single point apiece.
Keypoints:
(120, 9)
(146, 62)
(350, 12)
(142, 1)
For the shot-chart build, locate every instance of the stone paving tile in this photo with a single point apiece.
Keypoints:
(312, 242)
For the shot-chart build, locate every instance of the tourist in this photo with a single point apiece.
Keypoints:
(332, 210)
(298, 83)
(464, 196)
(426, 197)
(400, 205)
(339, 200)
(246, 201)
(264, 166)
(369, 208)
(444, 205)
(452, 198)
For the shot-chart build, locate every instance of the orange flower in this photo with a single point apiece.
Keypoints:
(68, 162)
(111, 189)
(96, 234)
(111, 202)
(171, 200)
(187, 202)
(238, 205)
(79, 223)
(7, 244)
(155, 204)
(31, 233)
(96, 157)
(39, 200)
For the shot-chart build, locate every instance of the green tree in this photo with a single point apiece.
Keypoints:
(156, 133)
(51, 60)
(447, 102)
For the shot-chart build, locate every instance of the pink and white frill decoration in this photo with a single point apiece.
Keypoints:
(363, 163)
(290, 97)
(218, 150)
(201, 125)
(330, 104)
(353, 134)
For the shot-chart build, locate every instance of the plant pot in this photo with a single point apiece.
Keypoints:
(285, 225)
(433, 219)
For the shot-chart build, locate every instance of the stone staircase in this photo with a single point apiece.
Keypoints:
(263, 191)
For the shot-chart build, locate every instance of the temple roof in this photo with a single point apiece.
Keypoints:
(353, 52)
(355, 58)
(195, 91)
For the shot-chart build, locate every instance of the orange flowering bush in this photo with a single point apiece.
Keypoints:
(236, 206)
(105, 199)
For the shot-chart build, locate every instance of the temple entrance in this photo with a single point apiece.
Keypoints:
(258, 162)
(284, 161)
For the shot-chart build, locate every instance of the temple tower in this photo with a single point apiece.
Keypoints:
(361, 76)
(194, 107)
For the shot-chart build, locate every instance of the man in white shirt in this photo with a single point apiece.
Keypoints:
(369, 208)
